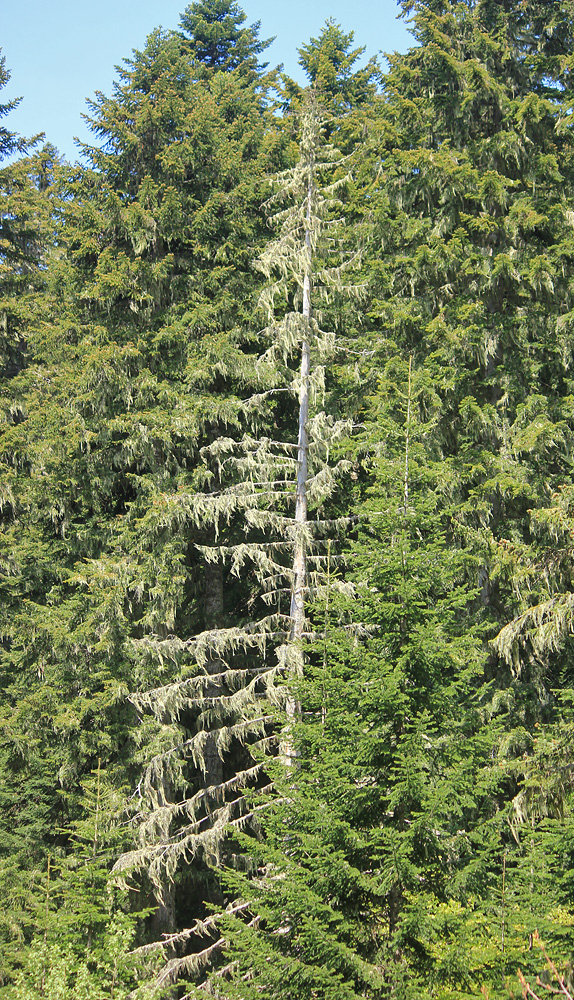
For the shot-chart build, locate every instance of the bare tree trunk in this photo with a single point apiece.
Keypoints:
(299, 558)
(297, 611)
(163, 921)
(213, 613)
(213, 595)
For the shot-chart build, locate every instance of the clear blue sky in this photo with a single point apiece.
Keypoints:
(60, 51)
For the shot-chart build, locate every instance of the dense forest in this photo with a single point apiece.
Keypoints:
(287, 520)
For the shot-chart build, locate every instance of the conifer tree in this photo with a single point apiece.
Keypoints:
(149, 287)
(10, 142)
(28, 224)
(232, 677)
(386, 778)
(84, 933)
(26, 233)
(472, 281)
(329, 64)
(456, 886)
(217, 39)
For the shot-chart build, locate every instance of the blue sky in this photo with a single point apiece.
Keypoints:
(60, 52)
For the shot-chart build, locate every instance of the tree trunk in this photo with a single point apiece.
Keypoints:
(163, 921)
(297, 610)
(213, 613)
(299, 557)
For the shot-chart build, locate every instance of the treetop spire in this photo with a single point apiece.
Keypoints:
(218, 37)
(329, 62)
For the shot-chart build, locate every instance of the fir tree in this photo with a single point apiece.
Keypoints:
(457, 283)
(110, 415)
(11, 142)
(329, 63)
(83, 932)
(218, 40)
(233, 677)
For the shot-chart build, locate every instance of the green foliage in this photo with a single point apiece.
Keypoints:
(153, 259)
(329, 63)
(28, 224)
(155, 443)
(82, 935)
(217, 38)
(10, 142)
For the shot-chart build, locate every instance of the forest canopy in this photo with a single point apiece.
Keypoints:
(287, 520)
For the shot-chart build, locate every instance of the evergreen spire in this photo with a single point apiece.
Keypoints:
(11, 142)
(329, 63)
(217, 38)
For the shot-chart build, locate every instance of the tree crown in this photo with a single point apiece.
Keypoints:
(329, 62)
(218, 38)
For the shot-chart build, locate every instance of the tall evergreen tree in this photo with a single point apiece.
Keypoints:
(472, 280)
(470, 269)
(152, 283)
(10, 142)
(329, 63)
(220, 711)
(217, 39)
(26, 233)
